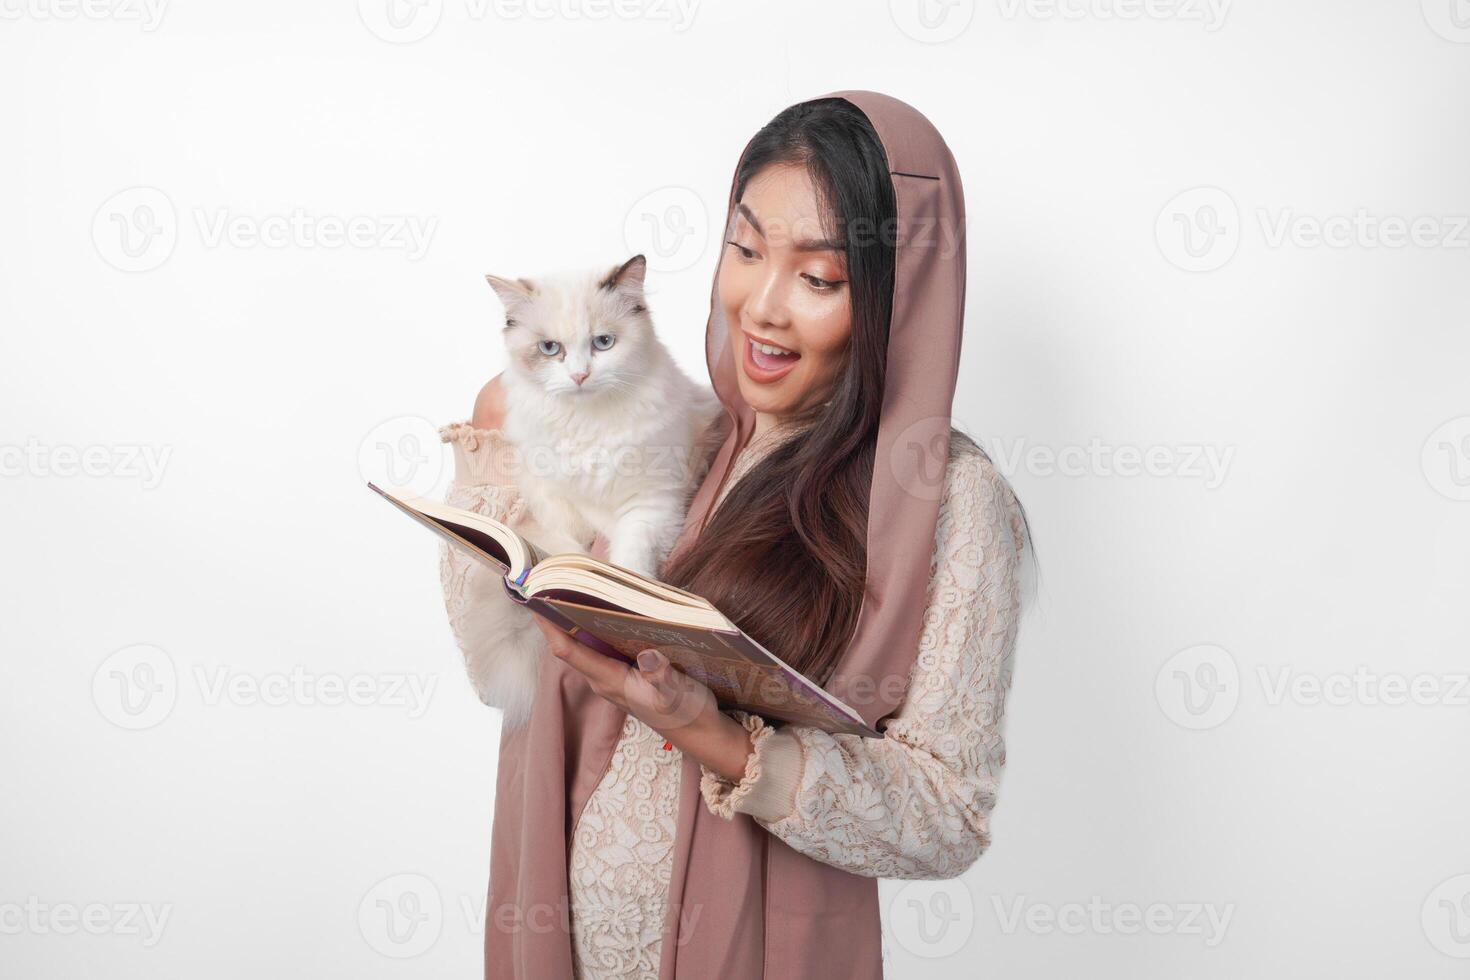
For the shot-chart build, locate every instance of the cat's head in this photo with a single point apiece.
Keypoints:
(579, 334)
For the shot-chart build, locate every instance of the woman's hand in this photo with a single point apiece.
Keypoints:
(490, 405)
(664, 698)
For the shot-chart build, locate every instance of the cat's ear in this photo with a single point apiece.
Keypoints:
(515, 295)
(627, 277)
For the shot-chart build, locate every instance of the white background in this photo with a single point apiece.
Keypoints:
(1154, 759)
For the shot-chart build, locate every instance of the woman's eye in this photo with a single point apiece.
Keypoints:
(548, 347)
(745, 253)
(821, 284)
(602, 341)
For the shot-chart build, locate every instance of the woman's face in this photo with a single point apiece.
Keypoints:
(782, 284)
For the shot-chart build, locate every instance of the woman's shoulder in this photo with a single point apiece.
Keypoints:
(975, 487)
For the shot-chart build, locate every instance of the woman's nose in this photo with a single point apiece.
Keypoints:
(767, 303)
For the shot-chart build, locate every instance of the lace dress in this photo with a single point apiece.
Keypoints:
(915, 804)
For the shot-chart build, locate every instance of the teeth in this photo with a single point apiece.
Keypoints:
(769, 349)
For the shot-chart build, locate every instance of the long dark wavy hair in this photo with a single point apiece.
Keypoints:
(786, 551)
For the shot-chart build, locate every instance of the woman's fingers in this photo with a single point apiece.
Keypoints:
(656, 692)
(673, 698)
(489, 410)
(607, 676)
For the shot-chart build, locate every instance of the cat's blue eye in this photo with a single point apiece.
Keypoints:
(602, 341)
(549, 347)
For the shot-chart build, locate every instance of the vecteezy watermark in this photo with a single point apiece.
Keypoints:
(400, 21)
(1096, 917)
(669, 226)
(404, 452)
(34, 917)
(932, 21)
(1445, 459)
(1450, 19)
(1209, 13)
(1445, 917)
(299, 228)
(137, 230)
(405, 914)
(1362, 229)
(1200, 230)
(1206, 463)
(401, 916)
(1363, 686)
(932, 919)
(147, 14)
(918, 459)
(1198, 687)
(407, 21)
(120, 461)
(138, 688)
(300, 687)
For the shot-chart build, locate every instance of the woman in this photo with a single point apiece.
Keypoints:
(633, 839)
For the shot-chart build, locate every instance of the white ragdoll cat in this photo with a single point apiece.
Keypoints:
(614, 438)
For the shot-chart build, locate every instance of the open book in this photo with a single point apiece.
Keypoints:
(618, 612)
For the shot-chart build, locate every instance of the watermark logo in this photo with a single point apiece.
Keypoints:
(136, 687)
(932, 919)
(410, 234)
(1362, 229)
(37, 918)
(135, 230)
(1446, 917)
(123, 461)
(147, 14)
(1450, 19)
(1206, 920)
(1208, 13)
(139, 686)
(919, 456)
(680, 701)
(300, 687)
(403, 452)
(932, 21)
(1199, 229)
(407, 21)
(401, 916)
(670, 226)
(1198, 687)
(1208, 464)
(400, 21)
(1446, 459)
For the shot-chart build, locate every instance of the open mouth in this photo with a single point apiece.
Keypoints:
(769, 357)
(765, 362)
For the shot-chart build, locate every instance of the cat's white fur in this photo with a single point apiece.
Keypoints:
(620, 454)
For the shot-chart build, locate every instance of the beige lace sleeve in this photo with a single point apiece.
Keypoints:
(916, 803)
(499, 639)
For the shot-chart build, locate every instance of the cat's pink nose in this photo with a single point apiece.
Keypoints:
(580, 376)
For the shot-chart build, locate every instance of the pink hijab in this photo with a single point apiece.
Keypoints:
(742, 904)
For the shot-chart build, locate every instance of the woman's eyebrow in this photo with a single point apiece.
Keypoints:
(805, 245)
(750, 216)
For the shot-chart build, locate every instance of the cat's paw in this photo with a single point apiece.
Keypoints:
(638, 559)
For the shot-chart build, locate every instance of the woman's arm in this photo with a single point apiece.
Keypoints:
(916, 803)
(499, 640)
